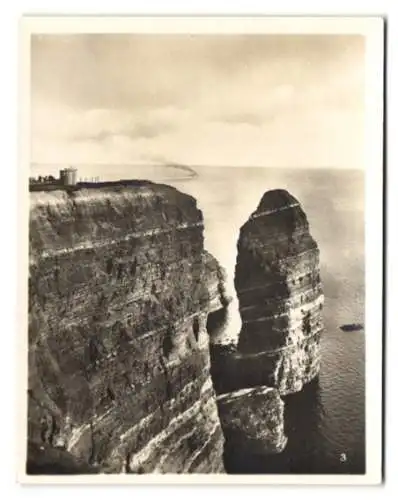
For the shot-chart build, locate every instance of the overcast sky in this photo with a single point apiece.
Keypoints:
(294, 101)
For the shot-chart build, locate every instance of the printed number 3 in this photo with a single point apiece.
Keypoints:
(343, 457)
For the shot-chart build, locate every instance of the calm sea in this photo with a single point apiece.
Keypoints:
(325, 423)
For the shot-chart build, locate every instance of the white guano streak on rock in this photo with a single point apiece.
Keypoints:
(274, 211)
(170, 450)
(84, 196)
(145, 452)
(279, 350)
(242, 392)
(270, 284)
(88, 245)
(207, 386)
(78, 432)
(295, 315)
(289, 301)
(199, 450)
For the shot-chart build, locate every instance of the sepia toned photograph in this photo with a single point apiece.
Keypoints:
(197, 300)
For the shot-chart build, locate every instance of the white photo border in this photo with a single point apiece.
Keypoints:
(372, 28)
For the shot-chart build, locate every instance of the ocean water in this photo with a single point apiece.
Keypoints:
(327, 418)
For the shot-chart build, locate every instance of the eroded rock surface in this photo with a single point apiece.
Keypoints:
(280, 296)
(215, 282)
(252, 421)
(280, 301)
(118, 349)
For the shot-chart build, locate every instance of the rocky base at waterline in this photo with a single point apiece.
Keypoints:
(119, 368)
(252, 421)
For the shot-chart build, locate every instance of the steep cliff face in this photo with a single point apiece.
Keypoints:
(118, 349)
(280, 296)
(215, 277)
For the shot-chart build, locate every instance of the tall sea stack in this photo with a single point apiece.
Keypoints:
(280, 296)
(280, 301)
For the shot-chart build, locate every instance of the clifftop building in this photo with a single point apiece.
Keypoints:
(68, 176)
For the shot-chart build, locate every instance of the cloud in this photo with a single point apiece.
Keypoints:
(278, 101)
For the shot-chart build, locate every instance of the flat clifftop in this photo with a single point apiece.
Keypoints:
(119, 367)
(62, 220)
(112, 194)
(111, 187)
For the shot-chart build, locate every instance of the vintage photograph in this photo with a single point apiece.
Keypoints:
(196, 259)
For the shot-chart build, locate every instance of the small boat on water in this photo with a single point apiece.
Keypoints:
(351, 327)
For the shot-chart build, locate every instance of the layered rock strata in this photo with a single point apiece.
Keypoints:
(280, 301)
(280, 296)
(118, 349)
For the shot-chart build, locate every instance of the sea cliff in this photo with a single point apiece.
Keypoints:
(122, 300)
(119, 367)
(278, 285)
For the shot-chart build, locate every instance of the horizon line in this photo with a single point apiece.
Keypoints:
(191, 165)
